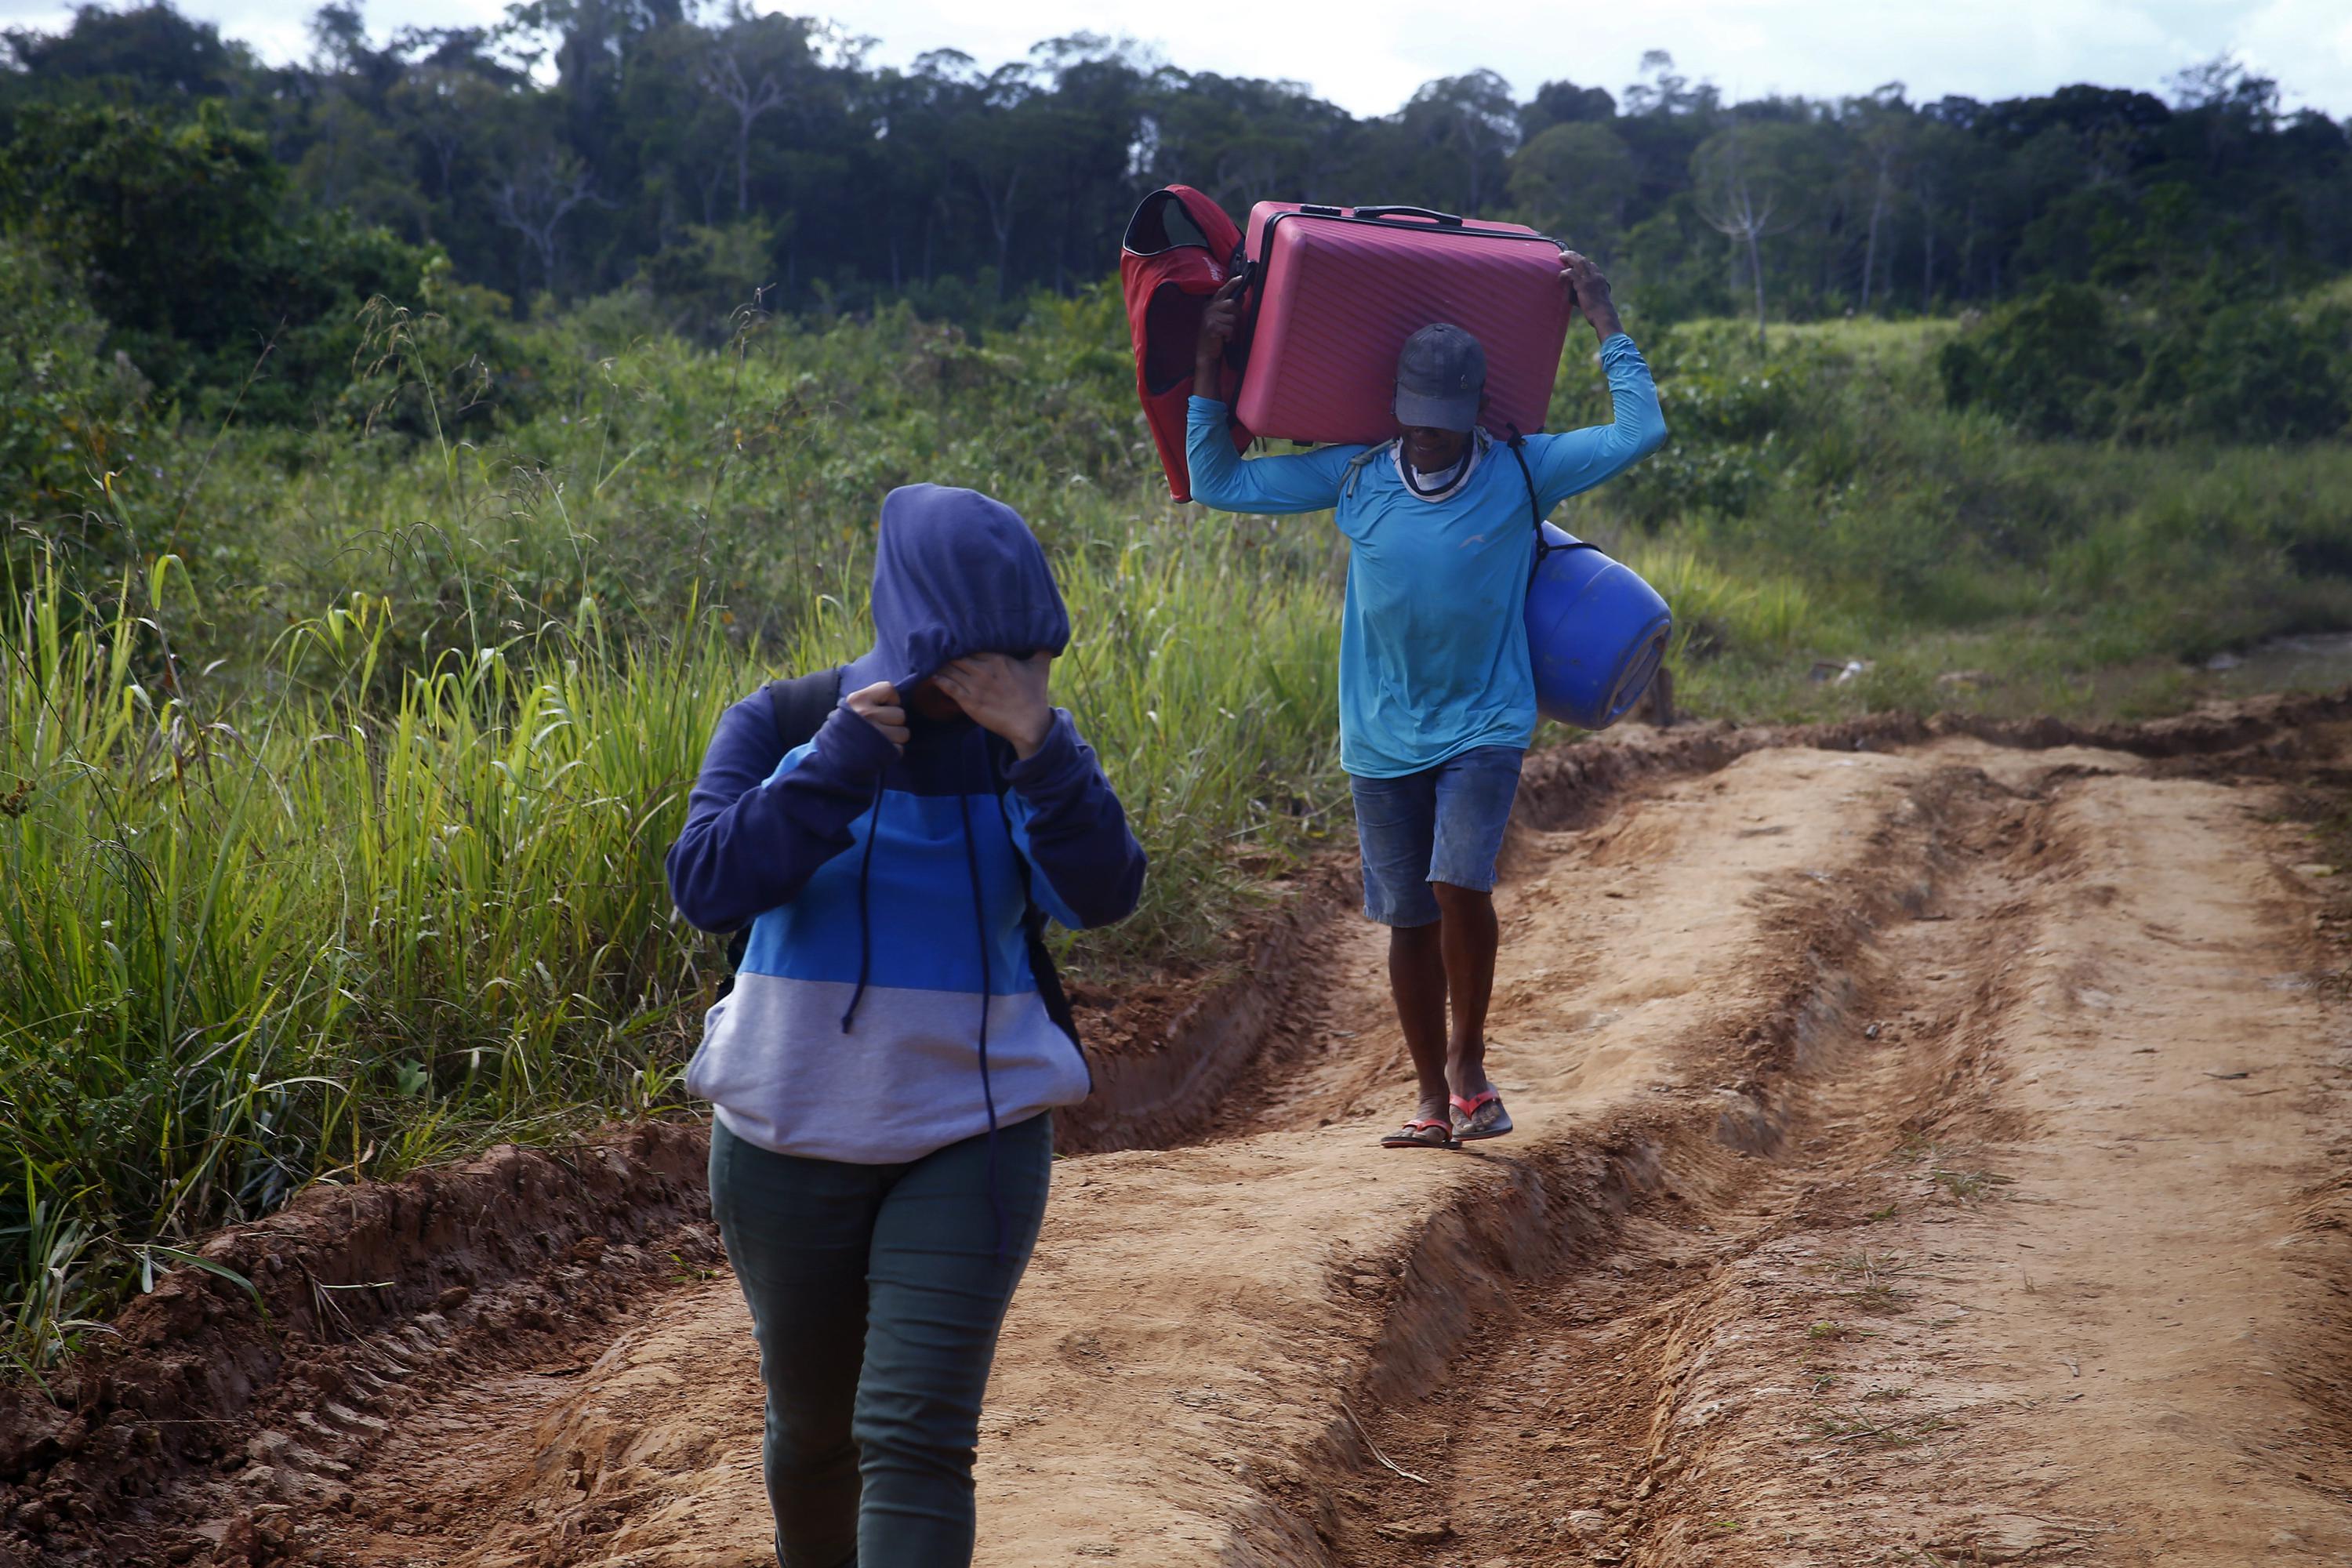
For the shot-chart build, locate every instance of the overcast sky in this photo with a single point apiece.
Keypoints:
(1369, 55)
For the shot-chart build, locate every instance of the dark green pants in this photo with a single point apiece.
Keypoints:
(876, 1292)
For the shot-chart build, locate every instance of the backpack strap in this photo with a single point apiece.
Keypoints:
(1042, 968)
(799, 705)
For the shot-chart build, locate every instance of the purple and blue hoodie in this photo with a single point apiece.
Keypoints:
(886, 1005)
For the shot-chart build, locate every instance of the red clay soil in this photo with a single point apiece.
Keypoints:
(1819, 1039)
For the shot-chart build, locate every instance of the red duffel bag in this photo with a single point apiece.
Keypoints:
(1334, 292)
(1178, 250)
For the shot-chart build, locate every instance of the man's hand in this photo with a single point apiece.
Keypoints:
(1219, 322)
(1004, 696)
(878, 705)
(1588, 290)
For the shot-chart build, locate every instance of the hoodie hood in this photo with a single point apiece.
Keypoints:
(956, 572)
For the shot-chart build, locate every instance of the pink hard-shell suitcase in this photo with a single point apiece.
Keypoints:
(1339, 290)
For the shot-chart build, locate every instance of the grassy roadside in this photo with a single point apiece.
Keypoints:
(1818, 507)
(337, 766)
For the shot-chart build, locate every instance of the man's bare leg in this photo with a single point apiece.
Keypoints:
(1470, 939)
(1417, 979)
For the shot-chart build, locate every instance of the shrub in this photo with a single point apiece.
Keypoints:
(2266, 372)
(2053, 363)
(2203, 363)
(179, 231)
(67, 416)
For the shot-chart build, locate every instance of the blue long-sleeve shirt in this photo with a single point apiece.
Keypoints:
(1433, 639)
(885, 1004)
(849, 863)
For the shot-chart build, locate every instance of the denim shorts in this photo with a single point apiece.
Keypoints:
(1442, 824)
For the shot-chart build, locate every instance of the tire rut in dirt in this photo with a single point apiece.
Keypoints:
(1769, 1361)
(1557, 1435)
(1633, 1212)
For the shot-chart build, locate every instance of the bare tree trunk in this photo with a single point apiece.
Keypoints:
(444, 143)
(1877, 218)
(538, 207)
(1736, 212)
(1470, 150)
(1062, 249)
(1000, 223)
(723, 79)
(1756, 276)
(1968, 251)
(1869, 256)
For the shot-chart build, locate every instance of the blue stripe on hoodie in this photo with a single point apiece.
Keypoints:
(884, 892)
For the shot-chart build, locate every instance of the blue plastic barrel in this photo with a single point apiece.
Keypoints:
(1597, 633)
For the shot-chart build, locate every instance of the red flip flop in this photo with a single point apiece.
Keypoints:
(1421, 1132)
(1480, 1116)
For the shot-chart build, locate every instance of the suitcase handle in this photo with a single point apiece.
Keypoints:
(1447, 220)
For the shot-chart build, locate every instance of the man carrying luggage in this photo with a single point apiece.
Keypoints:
(1437, 698)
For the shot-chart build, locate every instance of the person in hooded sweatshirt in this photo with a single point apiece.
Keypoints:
(885, 1065)
(1437, 693)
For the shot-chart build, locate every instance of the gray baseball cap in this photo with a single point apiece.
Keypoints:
(1441, 375)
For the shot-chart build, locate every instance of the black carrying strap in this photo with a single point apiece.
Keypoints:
(1252, 276)
(1042, 968)
(1443, 220)
(1544, 547)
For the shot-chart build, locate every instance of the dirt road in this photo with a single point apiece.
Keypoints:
(1930, 1155)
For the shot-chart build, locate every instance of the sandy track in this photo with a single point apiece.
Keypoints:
(2037, 1276)
(1882, 1195)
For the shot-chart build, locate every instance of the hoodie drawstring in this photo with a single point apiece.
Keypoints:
(865, 915)
(980, 923)
(987, 1090)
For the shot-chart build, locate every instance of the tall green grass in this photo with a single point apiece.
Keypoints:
(1762, 613)
(255, 941)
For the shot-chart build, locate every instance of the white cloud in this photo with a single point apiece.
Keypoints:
(2307, 46)
(1371, 53)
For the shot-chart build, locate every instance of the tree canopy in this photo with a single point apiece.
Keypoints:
(699, 153)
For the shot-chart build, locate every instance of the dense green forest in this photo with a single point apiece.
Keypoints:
(696, 158)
